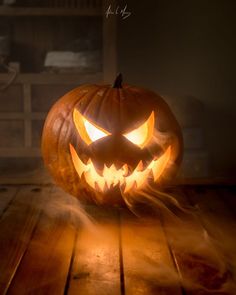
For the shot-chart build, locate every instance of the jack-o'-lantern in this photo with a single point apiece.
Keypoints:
(100, 140)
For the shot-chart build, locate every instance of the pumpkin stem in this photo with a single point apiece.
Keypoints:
(118, 81)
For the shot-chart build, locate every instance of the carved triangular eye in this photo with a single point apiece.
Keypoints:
(143, 133)
(88, 131)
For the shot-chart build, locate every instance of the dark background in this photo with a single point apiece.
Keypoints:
(181, 48)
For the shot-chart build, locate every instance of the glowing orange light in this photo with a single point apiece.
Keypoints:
(111, 176)
(88, 131)
(142, 134)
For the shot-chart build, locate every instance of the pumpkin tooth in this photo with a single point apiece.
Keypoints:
(108, 184)
(105, 188)
(151, 174)
(125, 169)
(106, 175)
(92, 177)
(111, 176)
(89, 180)
(135, 185)
(128, 186)
(140, 166)
(99, 187)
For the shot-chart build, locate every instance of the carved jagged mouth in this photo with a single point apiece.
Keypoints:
(111, 176)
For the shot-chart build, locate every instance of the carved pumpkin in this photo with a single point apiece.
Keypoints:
(99, 140)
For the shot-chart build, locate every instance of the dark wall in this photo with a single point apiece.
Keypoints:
(184, 48)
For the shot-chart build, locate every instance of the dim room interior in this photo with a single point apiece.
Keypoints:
(178, 239)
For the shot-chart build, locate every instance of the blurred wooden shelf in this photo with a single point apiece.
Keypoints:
(53, 78)
(26, 84)
(31, 95)
(20, 152)
(22, 116)
(49, 11)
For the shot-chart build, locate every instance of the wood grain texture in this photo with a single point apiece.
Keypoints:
(17, 225)
(228, 196)
(45, 265)
(148, 267)
(12, 96)
(220, 226)
(194, 241)
(95, 268)
(12, 134)
(214, 208)
(49, 244)
(21, 152)
(216, 216)
(22, 116)
(27, 110)
(7, 193)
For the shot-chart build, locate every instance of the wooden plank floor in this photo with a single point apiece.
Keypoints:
(50, 244)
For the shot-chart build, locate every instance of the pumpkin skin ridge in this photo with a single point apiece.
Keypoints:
(107, 100)
(103, 102)
(89, 103)
(106, 97)
(49, 118)
(127, 91)
(70, 132)
(83, 112)
(69, 114)
(153, 96)
(59, 137)
(64, 120)
(118, 91)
